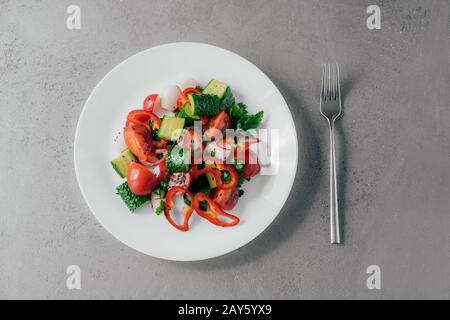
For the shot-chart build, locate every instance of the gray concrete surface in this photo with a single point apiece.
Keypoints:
(394, 148)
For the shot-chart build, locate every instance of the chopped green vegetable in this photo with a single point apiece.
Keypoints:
(248, 122)
(158, 200)
(177, 160)
(120, 164)
(240, 192)
(160, 209)
(226, 176)
(187, 112)
(204, 104)
(227, 100)
(200, 185)
(171, 128)
(203, 205)
(132, 201)
(238, 110)
(215, 87)
(186, 199)
(164, 184)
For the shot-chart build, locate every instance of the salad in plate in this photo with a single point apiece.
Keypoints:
(196, 156)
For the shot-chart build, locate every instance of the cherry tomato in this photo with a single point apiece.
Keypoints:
(227, 199)
(220, 122)
(140, 180)
(138, 139)
(251, 165)
(151, 102)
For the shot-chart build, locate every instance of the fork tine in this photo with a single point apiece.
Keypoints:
(322, 89)
(330, 81)
(338, 91)
(333, 96)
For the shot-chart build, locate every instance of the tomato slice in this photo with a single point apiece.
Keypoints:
(204, 120)
(143, 117)
(140, 180)
(191, 139)
(251, 165)
(138, 139)
(220, 122)
(227, 199)
(150, 102)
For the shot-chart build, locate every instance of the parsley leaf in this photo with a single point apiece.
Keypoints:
(238, 110)
(227, 100)
(248, 122)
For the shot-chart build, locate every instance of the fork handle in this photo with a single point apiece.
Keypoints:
(334, 212)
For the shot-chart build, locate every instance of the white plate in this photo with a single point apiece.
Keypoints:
(124, 89)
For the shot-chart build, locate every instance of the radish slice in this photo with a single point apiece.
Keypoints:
(169, 98)
(187, 83)
(157, 201)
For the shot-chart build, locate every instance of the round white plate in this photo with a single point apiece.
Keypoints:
(124, 89)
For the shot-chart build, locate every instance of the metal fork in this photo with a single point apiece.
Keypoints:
(330, 108)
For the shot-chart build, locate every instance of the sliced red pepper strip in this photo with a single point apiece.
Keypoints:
(214, 212)
(216, 170)
(196, 172)
(191, 90)
(187, 211)
(218, 176)
(183, 98)
(143, 117)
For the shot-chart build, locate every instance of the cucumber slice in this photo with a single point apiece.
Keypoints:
(204, 104)
(215, 87)
(132, 201)
(171, 128)
(177, 160)
(120, 164)
(187, 112)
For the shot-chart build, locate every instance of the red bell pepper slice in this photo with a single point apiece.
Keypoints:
(143, 117)
(183, 98)
(196, 172)
(187, 211)
(234, 179)
(191, 90)
(216, 170)
(214, 212)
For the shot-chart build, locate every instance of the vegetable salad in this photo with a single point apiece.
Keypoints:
(199, 151)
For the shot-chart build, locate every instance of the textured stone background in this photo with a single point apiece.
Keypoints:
(394, 148)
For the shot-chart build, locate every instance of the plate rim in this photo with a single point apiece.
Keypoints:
(108, 74)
